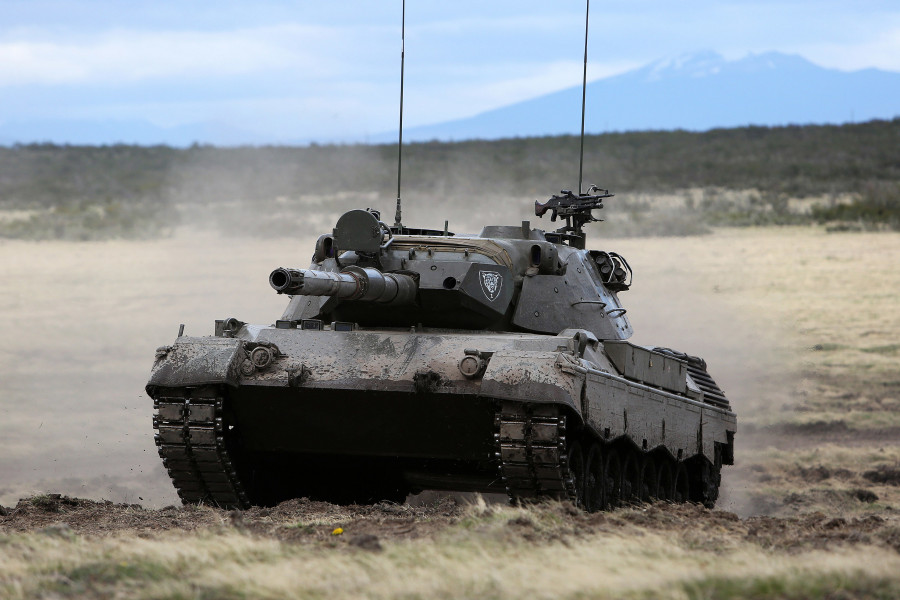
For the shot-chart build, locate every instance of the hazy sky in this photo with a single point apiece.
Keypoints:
(330, 69)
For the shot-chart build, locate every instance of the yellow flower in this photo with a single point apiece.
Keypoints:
(337, 531)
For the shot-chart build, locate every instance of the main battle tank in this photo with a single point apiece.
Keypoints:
(414, 359)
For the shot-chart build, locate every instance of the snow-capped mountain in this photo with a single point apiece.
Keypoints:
(695, 92)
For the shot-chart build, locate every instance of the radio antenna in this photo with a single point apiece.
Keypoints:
(397, 223)
(587, 13)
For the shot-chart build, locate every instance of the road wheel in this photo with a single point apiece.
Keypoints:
(577, 472)
(649, 479)
(593, 488)
(612, 492)
(631, 476)
(682, 484)
(665, 490)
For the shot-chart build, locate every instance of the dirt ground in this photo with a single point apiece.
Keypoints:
(60, 547)
(311, 522)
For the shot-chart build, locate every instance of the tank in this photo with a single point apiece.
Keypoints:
(418, 359)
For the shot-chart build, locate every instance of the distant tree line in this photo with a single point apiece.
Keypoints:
(137, 185)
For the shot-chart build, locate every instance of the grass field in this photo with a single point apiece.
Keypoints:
(448, 551)
(799, 326)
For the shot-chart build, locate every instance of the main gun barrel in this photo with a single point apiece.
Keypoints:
(352, 283)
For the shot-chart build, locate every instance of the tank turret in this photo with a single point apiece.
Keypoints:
(507, 278)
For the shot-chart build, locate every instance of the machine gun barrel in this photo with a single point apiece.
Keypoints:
(567, 203)
(352, 283)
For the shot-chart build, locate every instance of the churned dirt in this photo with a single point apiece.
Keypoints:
(305, 521)
(299, 519)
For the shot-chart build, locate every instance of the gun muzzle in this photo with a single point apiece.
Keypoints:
(352, 283)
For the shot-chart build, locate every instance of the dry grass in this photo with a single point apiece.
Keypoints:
(816, 314)
(547, 551)
(829, 478)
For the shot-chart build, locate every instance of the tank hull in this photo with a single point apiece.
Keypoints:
(365, 415)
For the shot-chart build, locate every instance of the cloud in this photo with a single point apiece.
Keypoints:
(493, 85)
(320, 67)
(881, 51)
(528, 24)
(128, 56)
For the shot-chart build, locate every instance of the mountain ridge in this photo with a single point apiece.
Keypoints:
(695, 92)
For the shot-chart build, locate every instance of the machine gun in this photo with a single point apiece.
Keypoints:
(575, 209)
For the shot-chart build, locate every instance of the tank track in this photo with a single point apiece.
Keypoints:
(531, 447)
(191, 443)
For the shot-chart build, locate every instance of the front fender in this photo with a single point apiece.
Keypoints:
(534, 377)
(197, 361)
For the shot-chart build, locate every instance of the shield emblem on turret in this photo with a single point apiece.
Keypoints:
(491, 282)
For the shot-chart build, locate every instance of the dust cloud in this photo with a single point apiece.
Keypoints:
(82, 321)
(695, 294)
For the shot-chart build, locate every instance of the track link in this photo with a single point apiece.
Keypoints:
(191, 442)
(531, 447)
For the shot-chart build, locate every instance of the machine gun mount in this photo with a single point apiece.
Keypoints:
(575, 209)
